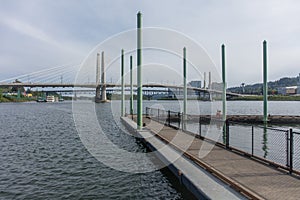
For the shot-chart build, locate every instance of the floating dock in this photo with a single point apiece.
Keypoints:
(220, 174)
(201, 183)
(251, 119)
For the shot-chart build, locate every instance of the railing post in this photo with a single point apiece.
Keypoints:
(200, 128)
(287, 135)
(179, 119)
(169, 117)
(182, 121)
(252, 144)
(227, 133)
(291, 150)
(147, 112)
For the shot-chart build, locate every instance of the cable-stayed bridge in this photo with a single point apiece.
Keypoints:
(63, 79)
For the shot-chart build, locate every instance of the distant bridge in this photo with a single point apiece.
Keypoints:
(111, 85)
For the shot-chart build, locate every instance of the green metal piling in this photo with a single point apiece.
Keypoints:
(184, 89)
(139, 73)
(224, 83)
(265, 81)
(122, 84)
(131, 88)
(225, 125)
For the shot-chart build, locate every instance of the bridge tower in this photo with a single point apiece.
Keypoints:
(97, 97)
(204, 80)
(209, 80)
(103, 80)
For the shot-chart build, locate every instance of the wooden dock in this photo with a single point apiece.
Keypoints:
(251, 178)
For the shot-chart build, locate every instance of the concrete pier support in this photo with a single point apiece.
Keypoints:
(103, 80)
(204, 80)
(209, 80)
(97, 97)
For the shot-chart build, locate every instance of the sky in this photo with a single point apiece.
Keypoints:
(40, 34)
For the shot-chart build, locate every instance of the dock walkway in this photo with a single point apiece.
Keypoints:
(252, 178)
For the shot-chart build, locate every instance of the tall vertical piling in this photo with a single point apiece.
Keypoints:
(131, 87)
(184, 90)
(224, 83)
(122, 85)
(265, 81)
(139, 73)
(225, 128)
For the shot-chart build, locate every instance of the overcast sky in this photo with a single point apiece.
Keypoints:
(39, 34)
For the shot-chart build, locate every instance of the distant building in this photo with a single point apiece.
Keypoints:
(292, 90)
(217, 86)
(196, 84)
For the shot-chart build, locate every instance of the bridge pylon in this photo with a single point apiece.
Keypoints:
(97, 97)
(103, 80)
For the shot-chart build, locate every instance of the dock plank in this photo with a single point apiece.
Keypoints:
(264, 181)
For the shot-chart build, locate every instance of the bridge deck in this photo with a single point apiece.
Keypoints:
(257, 180)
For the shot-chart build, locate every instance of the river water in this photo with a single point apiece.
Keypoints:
(42, 156)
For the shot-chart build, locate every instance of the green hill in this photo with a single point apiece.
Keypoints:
(272, 85)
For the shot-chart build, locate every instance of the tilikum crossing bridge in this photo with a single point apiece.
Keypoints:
(61, 79)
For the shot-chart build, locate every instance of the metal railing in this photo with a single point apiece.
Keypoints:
(276, 146)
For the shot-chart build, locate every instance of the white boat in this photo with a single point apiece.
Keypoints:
(50, 99)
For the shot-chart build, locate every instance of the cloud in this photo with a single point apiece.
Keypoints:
(27, 29)
(67, 30)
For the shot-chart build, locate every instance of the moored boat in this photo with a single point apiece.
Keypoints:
(50, 99)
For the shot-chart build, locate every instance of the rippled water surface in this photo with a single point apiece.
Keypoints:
(42, 157)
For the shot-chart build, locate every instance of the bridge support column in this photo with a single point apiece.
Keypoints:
(209, 80)
(103, 80)
(139, 73)
(97, 97)
(204, 80)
